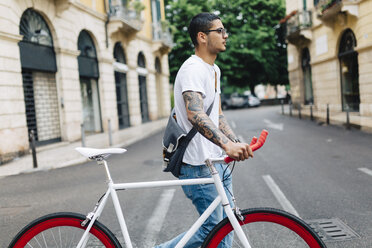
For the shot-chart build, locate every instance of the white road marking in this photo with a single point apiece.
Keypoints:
(287, 206)
(155, 223)
(233, 125)
(366, 170)
(277, 126)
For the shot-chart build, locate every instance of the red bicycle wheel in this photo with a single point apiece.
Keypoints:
(62, 230)
(265, 227)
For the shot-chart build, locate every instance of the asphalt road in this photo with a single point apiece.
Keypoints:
(316, 167)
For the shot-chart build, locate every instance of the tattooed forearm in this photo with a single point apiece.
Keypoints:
(205, 126)
(226, 129)
(200, 120)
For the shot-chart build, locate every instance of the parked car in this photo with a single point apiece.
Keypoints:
(234, 100)
(251, 101)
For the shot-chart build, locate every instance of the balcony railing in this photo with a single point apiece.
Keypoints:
(327, 9)
(299, 21)
(130, 17)
(162, 33)
(324, 5)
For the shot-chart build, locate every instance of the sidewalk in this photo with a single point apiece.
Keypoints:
(63, 154)
(335, 118)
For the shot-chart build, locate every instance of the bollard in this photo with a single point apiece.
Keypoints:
(327, 114)
(299, 111)
(347, 118)
(311, 112)
(109, 132)
(290, 107)
(282, 102)
(33, 148)
(82, 135)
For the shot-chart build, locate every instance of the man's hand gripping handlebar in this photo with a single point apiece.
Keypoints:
(255, 144)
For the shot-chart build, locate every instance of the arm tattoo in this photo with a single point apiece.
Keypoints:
(226, 129)
(200, 120)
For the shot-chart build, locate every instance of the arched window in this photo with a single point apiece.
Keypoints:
(89, 74)
(142, 72)
(348, 58)
(38, 63)
(119, 54)
(34, 29)
(307, 78)
(121, 86)
(87, 60)
(141, 60)
(37, 42)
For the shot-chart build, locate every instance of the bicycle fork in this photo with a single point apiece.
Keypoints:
(91, 218)
(226, 205)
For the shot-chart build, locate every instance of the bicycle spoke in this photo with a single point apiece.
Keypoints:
(60, 236)
(73, 237)
(265, 234)
(37, 241)
(55, 241)
(30, 245)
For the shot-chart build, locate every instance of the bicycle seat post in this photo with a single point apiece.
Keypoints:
(103, 162)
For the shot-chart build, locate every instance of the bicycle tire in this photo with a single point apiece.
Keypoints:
(267, 220)
(48, 230)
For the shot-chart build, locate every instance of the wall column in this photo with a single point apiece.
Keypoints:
(69, 93)
(13, 126)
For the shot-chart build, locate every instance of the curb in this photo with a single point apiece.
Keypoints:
(50, 157)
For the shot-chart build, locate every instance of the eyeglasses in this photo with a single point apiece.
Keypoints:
(222, 31)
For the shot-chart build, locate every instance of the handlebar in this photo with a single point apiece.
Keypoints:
(255, 144)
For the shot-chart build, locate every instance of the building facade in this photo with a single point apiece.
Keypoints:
(69, 64)
(330, 54)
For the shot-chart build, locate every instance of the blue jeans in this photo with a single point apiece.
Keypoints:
(202, 196)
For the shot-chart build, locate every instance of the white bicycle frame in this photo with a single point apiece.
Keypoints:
(215, 179)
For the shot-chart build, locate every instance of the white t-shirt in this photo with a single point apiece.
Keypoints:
(199, 76)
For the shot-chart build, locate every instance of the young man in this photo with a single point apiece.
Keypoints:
(197, 86)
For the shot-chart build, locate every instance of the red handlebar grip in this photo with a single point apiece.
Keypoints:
(253, 141)
(228, 160)
(255, 144)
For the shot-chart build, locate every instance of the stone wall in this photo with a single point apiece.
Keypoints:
(66, 19)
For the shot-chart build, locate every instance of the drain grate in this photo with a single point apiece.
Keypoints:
(332, 230)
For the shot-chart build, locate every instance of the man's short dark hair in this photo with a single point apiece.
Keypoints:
(199, 23)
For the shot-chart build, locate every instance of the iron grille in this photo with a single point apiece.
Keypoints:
(28, 90)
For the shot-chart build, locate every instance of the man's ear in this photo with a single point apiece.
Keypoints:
(202, 38)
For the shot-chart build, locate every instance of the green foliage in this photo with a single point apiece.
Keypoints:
(179, 14)
(255, 53)
(229, 89)
(137, 6)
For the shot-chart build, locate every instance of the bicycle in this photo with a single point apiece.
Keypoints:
(76, 230)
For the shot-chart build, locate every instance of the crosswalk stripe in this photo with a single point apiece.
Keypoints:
(155, 223)
(366, 170)
(287, 206)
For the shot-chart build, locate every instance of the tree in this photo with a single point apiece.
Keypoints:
(179, 14)
(255, 54)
